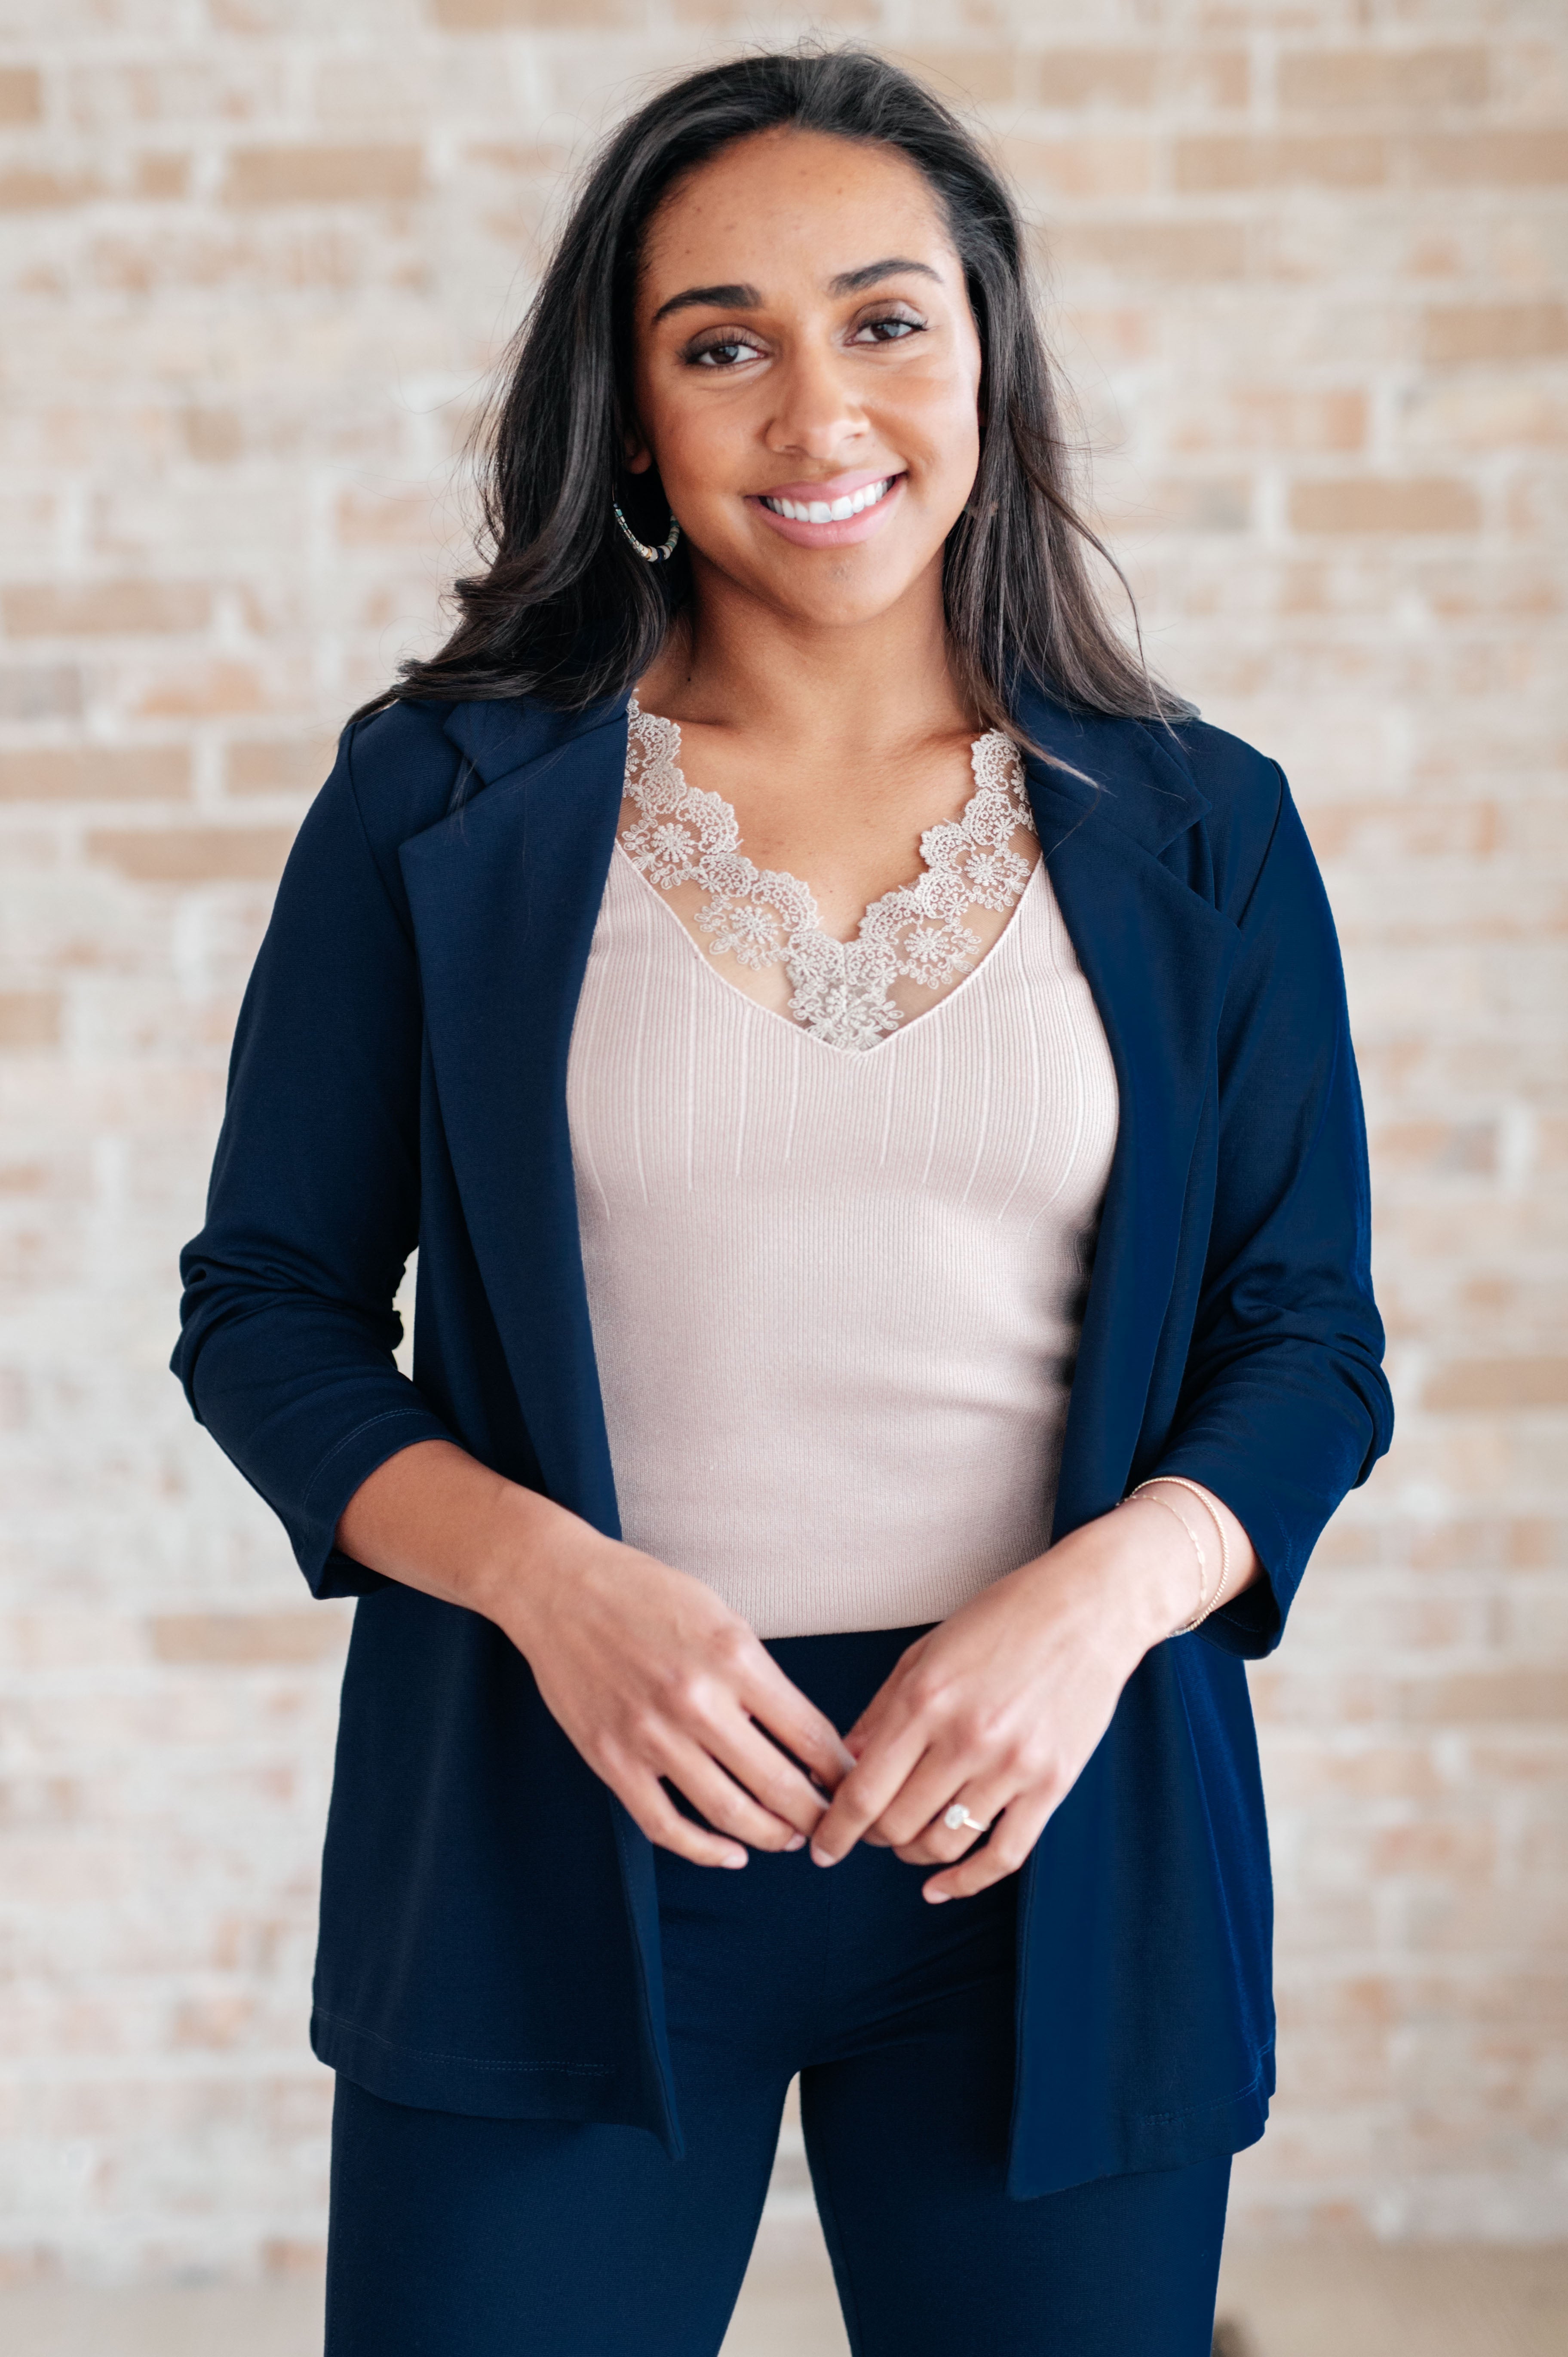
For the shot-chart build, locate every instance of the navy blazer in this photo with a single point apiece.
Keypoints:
(489, 1936)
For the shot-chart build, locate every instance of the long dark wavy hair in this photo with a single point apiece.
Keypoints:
(567, 610)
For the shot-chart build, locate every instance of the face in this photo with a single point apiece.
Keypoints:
(808, 374)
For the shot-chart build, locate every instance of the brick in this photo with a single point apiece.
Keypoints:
(1082, 167)
(531, 16)
(192, 854)
(95, 773)
(1177, 251)
(212, 435)
(29, 188)
(1495, 331)
(1357, 503)
(161, 177)
(1293, 160)
(21, 94)
(323, 175)
(1381, 81)
(1275, 418)
(270, 765)
(979, 73)
(29, 1018)
(1516, 158)
(1111, 78)
(247, 1640)
(1136, 80)
(1490, 1386)
(212, 685)
(103, 608)
(396, 520)
(40, 691)
(1501, 1697)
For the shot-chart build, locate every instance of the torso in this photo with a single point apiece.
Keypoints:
(835, 1268)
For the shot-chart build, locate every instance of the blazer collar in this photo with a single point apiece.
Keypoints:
(1133, 775)
(498, 739)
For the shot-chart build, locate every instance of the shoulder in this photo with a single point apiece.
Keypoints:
(1246, 795)
(403, 770)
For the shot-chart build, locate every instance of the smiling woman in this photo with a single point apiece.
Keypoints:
(866, 1071)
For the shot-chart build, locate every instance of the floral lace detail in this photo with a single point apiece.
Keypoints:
(764, 916)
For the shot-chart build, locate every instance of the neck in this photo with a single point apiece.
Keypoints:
(877, 684)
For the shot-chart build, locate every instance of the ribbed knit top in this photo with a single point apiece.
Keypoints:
(835, 1293)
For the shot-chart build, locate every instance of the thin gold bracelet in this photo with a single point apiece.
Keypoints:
(1178, 1481)
(1186, 1627)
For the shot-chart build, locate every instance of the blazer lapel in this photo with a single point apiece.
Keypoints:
(1156, 956)
(505, 892)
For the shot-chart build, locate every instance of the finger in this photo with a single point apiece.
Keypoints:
(942, 1777)
(1013, 1836)
(650, 1807)
(860, 1734)
(867, 1792)
(747, 1752)
(793, 1720)
(727, 1805)
(936, 1843)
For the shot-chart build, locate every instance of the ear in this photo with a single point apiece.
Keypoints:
(639, 457)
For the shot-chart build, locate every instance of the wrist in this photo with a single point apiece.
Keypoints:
(1157, 1571)
(1135, 1560)
(526, 1541)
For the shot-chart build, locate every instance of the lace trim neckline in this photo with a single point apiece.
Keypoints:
(767, 917)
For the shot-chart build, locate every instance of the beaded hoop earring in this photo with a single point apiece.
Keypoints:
(654, 555)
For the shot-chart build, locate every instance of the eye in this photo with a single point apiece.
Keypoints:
(892, 329)
(726, 350)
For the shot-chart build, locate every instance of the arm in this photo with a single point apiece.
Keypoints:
(288, 1330)
(287, 1356)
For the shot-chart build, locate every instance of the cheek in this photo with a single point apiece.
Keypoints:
(694, 443)
(942, 418)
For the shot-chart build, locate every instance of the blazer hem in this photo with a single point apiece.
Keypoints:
(474, 2086)
(1156, 2140)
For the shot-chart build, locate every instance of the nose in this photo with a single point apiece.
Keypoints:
(815, 413)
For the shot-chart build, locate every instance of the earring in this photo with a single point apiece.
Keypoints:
(654, 555)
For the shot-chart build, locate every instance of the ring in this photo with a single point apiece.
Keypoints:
(959, 1815)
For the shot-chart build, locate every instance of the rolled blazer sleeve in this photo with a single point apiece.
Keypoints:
(288, 1327)
(1284, 1406)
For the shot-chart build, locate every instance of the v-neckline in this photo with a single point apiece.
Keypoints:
(686, 833)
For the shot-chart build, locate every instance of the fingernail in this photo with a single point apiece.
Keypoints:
(821, 1857)
(936, 1897)
(733, 1858)
(796, 1841)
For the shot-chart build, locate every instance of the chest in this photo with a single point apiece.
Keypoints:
(997, 1104)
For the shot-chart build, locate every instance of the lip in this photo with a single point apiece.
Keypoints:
(836, 486)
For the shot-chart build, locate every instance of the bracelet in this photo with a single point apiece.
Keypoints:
(1204, 1606)
(1178, 1481)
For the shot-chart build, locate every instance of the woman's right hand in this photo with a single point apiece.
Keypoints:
(654, 1679)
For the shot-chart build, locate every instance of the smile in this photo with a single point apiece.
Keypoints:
(837, 510)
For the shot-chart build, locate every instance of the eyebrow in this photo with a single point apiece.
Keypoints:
(742, 297)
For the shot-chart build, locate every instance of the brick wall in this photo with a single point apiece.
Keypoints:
(1308, 265)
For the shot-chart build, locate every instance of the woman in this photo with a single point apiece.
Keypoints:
(867, 1074)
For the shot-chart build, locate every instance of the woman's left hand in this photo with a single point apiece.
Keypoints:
(998, 1709)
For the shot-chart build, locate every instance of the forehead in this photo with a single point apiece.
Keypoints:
(785, 201)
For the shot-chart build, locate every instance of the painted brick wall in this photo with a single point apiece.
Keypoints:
(1308, 258)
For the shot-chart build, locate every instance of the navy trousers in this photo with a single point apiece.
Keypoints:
(461, 2237)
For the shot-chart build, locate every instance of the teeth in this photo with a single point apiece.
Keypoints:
(837, 510)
